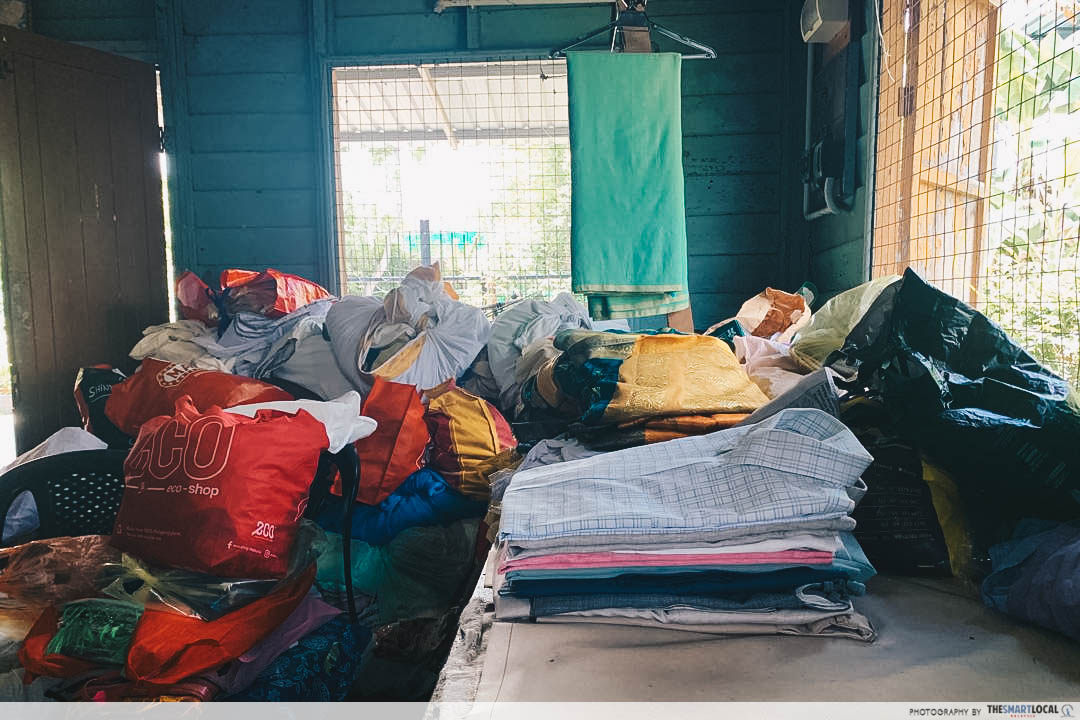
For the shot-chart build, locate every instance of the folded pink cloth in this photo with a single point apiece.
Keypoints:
(564, 561)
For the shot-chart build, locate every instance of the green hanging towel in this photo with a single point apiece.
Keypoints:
(628, 211)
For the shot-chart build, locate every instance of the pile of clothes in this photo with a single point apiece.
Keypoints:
(618, 389)
(974, 459)
(745, 480)
(189, 597)
(232, 515)
(746, 530)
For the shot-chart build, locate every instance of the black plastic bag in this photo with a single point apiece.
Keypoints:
(911, 520)
(1006, 427)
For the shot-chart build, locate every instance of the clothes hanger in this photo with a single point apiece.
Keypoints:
(631, 14)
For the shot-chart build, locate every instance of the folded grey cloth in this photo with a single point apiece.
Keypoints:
(814, 597)
(733, 536)
(852, 625)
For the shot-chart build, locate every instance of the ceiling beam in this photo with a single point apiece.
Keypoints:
(448, 127)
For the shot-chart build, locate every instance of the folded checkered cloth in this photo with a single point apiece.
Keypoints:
(790, 472)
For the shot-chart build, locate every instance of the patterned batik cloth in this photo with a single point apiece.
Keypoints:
(322, 666)
(620, 377)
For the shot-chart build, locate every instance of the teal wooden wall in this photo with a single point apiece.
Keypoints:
(125, 27)
(244, 91)
(250, 134)
(838, 245)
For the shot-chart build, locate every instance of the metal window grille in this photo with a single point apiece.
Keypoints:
(466, 164)
(978, 182)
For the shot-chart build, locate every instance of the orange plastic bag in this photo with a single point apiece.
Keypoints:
(396, 449)
(169, 647)
(270, 293)
(154, 389)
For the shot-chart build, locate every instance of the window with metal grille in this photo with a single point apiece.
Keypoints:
(978, 161)
(466, 164)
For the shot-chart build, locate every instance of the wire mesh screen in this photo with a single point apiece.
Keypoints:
(466, 164)
(978, 161)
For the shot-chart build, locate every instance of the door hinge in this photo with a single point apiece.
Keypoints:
(162, 137)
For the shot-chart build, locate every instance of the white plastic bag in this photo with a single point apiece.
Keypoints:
(771, 314)
(525, 323)
(341, 417)
(417, 335)
(769, 364)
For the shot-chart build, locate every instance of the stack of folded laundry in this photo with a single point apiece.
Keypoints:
(618, 390)
(742, 531)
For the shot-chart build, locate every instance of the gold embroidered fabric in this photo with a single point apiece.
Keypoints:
(681, 375)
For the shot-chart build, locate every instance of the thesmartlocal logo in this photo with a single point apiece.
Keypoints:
(1031, 710)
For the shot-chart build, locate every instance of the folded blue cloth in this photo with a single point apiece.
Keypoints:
(716, 584)
(423, 499)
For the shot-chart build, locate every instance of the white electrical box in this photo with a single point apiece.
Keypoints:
(822, 19)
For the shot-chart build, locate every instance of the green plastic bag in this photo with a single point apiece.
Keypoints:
(97, 630)
(420, 573)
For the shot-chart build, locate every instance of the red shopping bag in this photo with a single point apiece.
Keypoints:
(219, 493)
(196, 302)
(156, 386)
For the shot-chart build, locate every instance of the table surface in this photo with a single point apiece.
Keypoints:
(934, 643)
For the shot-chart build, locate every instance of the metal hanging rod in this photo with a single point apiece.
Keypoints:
(634, 16)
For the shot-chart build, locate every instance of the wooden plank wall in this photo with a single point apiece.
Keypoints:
(838, 247)
(251, 174)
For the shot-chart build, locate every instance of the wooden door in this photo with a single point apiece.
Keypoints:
(81, 229)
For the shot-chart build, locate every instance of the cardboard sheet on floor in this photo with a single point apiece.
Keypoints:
(933, 644)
